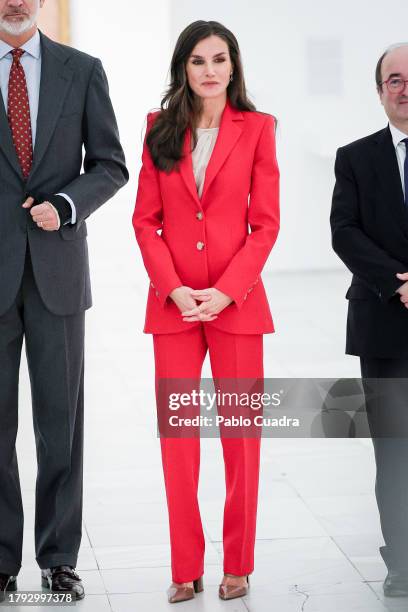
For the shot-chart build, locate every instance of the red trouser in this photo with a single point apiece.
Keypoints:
(181, 355)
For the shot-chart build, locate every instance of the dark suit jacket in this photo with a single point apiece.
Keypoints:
(369, 223)
(74, 111)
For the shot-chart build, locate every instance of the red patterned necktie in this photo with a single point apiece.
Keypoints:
(19, 113)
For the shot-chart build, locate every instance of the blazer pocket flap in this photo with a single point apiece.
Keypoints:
(360, 292)
(73, 232)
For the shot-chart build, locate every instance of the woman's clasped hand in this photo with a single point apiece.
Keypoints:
(200, 304)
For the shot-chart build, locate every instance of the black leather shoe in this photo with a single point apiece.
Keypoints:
(7, 584)
(396, 584)
(63, 579)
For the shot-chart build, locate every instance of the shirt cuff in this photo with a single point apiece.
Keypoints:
(73, 209)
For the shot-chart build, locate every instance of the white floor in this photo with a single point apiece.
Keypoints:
(318, 530)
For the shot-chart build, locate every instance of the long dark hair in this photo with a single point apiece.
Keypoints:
(180, 107)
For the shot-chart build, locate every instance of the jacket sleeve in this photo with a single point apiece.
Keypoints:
(105, 171)
(356, 249)
(242, 273)
(147, 223)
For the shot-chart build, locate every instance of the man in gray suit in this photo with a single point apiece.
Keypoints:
(55, 100)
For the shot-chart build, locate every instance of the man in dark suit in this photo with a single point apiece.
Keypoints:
(55, 100)
(369, 220)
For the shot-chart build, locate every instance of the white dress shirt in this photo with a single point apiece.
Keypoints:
(31, 63)
(400, 150)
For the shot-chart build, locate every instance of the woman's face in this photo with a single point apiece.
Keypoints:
(209, 68)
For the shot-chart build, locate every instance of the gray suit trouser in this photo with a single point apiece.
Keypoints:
(387, 403)
(55, 356)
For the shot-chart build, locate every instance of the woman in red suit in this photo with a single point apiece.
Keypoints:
(206, 219)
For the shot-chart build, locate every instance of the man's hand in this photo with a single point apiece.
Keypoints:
(182, 297)
(212, 301)
(44, 215)
(403, 290)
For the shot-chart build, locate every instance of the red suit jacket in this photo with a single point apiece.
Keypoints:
(207, 243)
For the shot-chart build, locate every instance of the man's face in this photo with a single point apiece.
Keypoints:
(18, 16)
(395, 65)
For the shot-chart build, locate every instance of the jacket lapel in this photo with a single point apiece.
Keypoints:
(186, 168)
(229, 132)
(6, 142)
(388, 174)
(56, 79)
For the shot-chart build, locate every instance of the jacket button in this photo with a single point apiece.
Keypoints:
(200, 246)
(199, 216)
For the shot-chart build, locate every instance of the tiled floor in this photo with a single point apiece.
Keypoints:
(318, 529)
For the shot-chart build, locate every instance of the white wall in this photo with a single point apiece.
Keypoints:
(133, 41)
(288, 47)
(310, 64)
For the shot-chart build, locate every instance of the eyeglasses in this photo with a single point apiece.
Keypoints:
(395, 84)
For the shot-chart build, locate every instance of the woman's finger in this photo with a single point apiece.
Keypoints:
(192, 312)
(200, 318)
(203, 297)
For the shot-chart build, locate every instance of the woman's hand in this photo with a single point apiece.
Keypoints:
(212, 301)
(182, 297)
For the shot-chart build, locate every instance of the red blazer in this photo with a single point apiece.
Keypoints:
(207, 243)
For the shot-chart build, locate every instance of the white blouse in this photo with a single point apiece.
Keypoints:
(206, 138)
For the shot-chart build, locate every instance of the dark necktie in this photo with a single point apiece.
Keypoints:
(18, 112)
(405, 141)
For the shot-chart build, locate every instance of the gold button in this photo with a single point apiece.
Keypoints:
(200, 246)
(199, 216)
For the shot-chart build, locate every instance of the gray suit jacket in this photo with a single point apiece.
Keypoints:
(74, 111)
